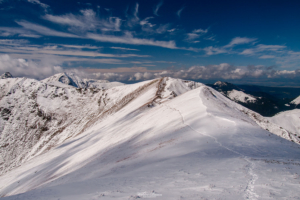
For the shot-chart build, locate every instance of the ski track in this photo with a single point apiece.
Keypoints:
(249, 190)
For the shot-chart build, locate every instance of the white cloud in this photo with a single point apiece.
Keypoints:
(248, 52)
(136, 11)
(44, 30)
(29, 68)
(45, 6)
(133, 19)
(195, 34)
(214, 50)
(266, 57)
(264, 48)
(86, 21)
(239, 40)
(11, 31)
(157, 8)
(223, 71)
(125, 49)
(178, 13)
(146, 22)
(172, 30)
(79, 46)
(129, 39)
(211, 38)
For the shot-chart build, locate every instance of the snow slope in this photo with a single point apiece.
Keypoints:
(240, 96)
(289, 120)
(37, 116)
(296, 101)
(151, 143)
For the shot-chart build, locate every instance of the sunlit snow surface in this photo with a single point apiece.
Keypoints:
(289, 120)
(240, 96)
(296, 101)
(195, 144)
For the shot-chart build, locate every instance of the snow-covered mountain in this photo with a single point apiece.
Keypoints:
(289, 120)
(296, 101)
(164, 138)
(256, 98)
(6, 75)
(234, 93)
(74, 80)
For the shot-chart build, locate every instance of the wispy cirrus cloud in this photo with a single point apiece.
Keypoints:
(44, 30)
(124, 49)
(239, 40)
(155, 11)
(195, 34)
(86, 21)
(266, 57)
(20, 32)
(178, 13)
(45, 6)
(263, 48)
(210, 50)
(133, 19)
(129, 39)
(62, 52)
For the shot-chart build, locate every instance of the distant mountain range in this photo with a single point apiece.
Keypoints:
(266, 101)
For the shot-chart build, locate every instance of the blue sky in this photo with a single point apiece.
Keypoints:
(238, 41)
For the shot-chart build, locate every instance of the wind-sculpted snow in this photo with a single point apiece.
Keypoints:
(164, 139)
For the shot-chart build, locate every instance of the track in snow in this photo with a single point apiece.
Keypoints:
(249, 190)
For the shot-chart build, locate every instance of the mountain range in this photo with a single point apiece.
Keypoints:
(70, 138)
(267, 101)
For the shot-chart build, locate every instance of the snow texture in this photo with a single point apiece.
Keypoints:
(289, 120)
(240, 96)
(164, 139)
(74, 80)
(296, 101)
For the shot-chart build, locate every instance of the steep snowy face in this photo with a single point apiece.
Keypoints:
(148, 143)
(6, 75)
(37, 116)
(289, 120)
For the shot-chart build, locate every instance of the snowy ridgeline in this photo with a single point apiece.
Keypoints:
(296, 101)
(69, 138)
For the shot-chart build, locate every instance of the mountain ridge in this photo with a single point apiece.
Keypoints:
(166, 136)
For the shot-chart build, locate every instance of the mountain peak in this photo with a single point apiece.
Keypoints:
(220, 83)
(6, 75)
